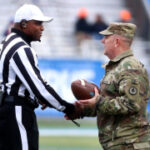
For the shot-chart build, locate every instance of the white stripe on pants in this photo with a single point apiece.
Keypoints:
(23, 133)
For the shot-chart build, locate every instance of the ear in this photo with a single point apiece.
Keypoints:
(23, 24)
(117, 42)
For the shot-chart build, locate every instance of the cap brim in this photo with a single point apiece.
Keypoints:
(47, 19)
(106, 32)
(43, 19)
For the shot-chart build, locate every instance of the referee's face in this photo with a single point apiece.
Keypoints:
(34, 30)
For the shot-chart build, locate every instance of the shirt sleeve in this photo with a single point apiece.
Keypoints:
(132, 96)
(23, 63)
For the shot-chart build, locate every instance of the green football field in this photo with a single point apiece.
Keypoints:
(69, 143)
(63, 141)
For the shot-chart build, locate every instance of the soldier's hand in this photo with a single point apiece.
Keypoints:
(90, 103)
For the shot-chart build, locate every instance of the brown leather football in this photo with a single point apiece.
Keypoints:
(83, 89)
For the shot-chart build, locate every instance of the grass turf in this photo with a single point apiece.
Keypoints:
(69, 143)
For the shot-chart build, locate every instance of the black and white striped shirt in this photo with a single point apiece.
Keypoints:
(19, 72)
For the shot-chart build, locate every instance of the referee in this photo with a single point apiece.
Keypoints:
(21, 84)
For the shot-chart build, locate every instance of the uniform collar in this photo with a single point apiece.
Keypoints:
(25, 37)
(125, 54)
(122, 55)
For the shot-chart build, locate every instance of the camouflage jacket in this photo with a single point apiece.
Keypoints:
(121, 108)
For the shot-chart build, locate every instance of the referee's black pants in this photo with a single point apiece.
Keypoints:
(18, 128)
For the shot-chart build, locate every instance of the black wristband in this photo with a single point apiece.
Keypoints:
(70, 108)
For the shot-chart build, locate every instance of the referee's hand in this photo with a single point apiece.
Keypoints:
(77, 114)
(43, 106)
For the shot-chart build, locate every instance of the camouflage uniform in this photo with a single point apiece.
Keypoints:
(122, 118)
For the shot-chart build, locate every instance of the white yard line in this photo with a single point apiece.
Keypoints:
(68, 132)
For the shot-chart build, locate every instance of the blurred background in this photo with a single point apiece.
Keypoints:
(71, 49)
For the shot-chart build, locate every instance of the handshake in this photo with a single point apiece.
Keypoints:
(86, 93)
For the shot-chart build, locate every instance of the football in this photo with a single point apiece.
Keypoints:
(83, 89)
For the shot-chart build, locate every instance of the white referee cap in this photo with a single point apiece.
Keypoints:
(30, 12)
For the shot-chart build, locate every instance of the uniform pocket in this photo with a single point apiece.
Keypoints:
(138, 146)
(109, 87)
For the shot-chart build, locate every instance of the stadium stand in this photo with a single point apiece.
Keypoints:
(59, 40)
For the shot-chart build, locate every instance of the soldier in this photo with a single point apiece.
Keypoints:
(121, 106)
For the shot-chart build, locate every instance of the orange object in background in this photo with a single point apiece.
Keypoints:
(125, 15)
(83, 13)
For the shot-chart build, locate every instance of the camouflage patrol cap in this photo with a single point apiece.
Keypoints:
(124, 29)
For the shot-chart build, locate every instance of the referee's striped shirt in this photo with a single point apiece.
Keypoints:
(19, 72)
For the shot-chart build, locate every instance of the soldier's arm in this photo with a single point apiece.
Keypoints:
(133, 94)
